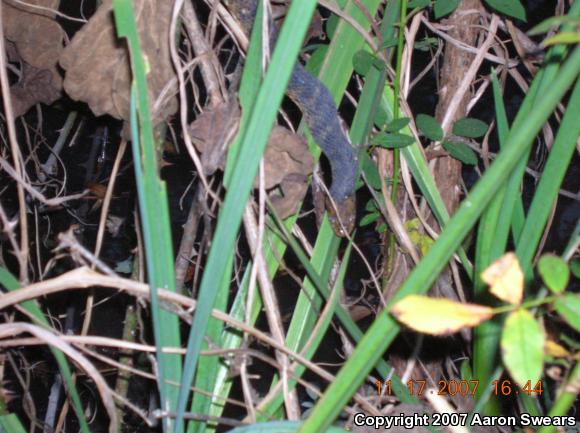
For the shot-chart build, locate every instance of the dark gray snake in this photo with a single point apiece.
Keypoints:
(320, 113)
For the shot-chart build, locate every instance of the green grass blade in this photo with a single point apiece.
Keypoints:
(10, 423)
(550, 182)
(384, 329)
(487, 335)
(541, 85)
(232, 339)
(209, 366)
(153, 210)
(11, 283)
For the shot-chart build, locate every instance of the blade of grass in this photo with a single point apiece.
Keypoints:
(487, 335)
(11, 283)
(210, 365)
(10, 423)
(218, 376)
(232, 339)
(153, 211)
(550, 182)
(535, 93)
(384, 329)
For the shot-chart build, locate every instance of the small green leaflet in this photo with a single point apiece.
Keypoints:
(575, 267)
(444, 7)
(568, 306)
(469, 127)
(371, 173)
(363, 61)
(522, 347)
(429, 127)
(554, 272)
(369, 218)
(392, 140)
(397, 124)
(460, 151)
(512, 8)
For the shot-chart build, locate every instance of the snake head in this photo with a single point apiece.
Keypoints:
(342, 215)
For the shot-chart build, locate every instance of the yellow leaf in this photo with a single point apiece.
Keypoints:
(555, 350)
(438, 316)
(506, 279)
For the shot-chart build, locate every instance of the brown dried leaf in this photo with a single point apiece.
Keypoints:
(97, 63)
(37, 42)
(287, 160)
(287, 153)
(213, 131)
(36, 85)
(287, 164)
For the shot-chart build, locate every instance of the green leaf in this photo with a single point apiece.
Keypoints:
(414, 4)
(460, 151)
(575, 267)
(568, 306)
(371, 173)
(397, 124)
(522, 347)
(429, 127)
(369, 218)
(371, 206)
(444, 7)
(512, 8)
(392, 140)
(554, 272)
(362, 62)
(469, 127)
(563, 38)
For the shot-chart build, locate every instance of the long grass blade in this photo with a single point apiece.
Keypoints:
(153, 210)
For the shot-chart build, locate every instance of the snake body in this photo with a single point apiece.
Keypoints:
(320, 113)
